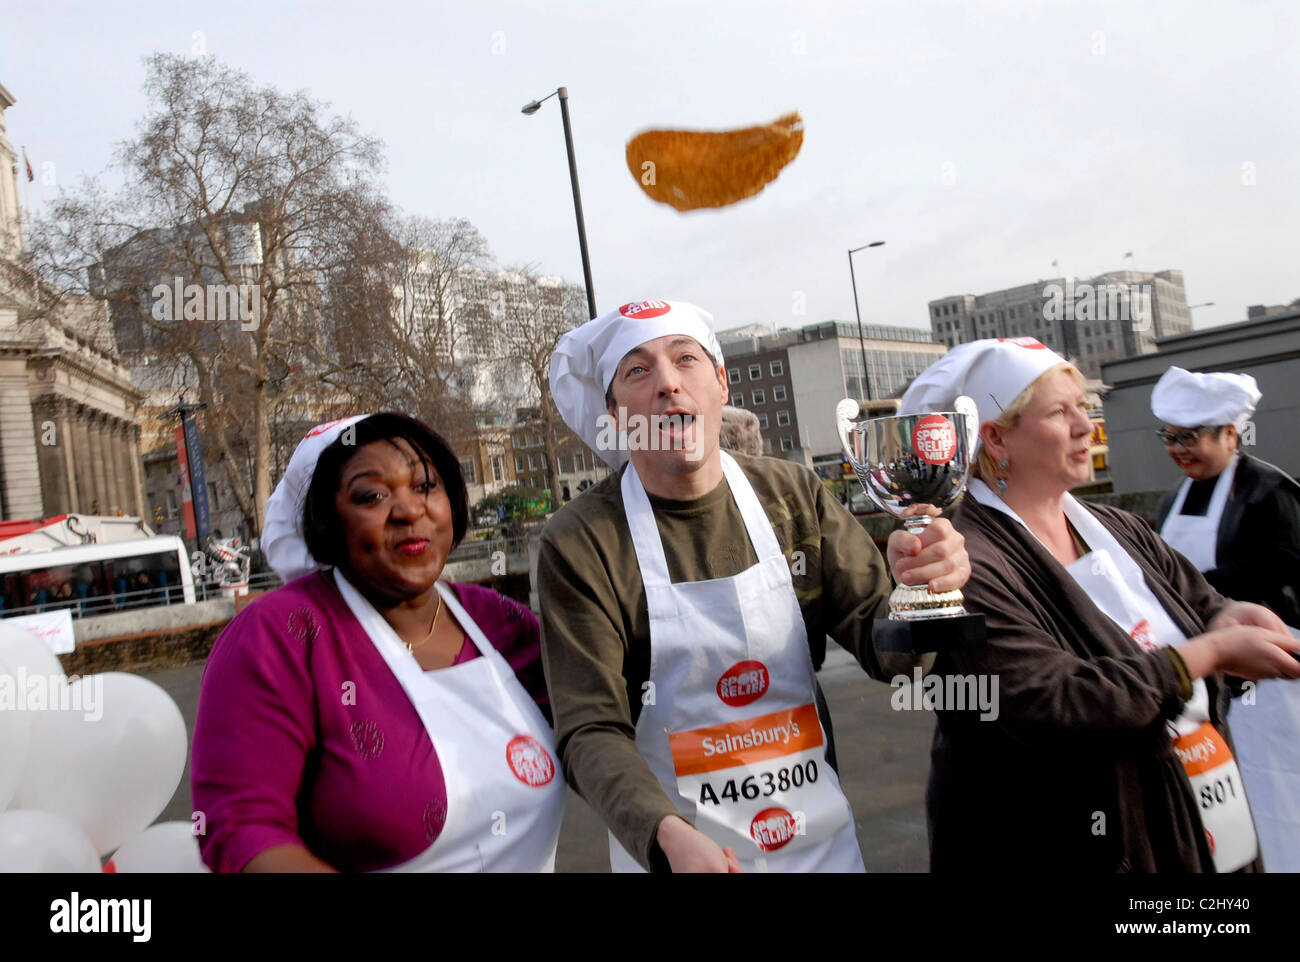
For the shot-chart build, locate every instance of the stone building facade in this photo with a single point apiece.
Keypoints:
(69, 415)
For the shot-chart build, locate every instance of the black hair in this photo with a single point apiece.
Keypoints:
(322, 529)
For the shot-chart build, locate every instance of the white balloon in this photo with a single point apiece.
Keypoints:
(30, 674)
(15, 731)
(109, 759)
(166, 847)
(20, 648)
(43, 842)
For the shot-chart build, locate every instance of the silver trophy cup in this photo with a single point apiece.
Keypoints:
(921, 459)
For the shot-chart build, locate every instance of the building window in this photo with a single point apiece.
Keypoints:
(738, 399)
(467, 469)
(776, 368)
(579, 462)
(782, 418)
(171, 505)
(757, 396)
(767, 445)
(733, 375)
(787, 444)
(762, 422)
(778, 392)
(532, 463)
(498, 468)
(755, 371)
(519, 464)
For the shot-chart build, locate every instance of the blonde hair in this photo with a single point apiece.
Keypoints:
(986, 468)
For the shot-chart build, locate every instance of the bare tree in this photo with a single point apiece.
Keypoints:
(412, 332)
(535, 312)
(237, 187)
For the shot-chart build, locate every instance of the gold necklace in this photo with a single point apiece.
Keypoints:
(437, 611)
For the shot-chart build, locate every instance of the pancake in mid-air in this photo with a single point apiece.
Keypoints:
(690, 169)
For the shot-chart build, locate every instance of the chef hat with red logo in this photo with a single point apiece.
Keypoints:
(1188, 400)
(586, 359)
(283, 540)
(992, 372)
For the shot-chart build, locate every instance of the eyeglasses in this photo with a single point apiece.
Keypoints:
(1185, 438)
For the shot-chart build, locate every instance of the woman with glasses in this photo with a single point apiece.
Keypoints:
(1237, 519)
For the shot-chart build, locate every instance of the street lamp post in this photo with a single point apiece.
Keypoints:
(532, 108)
(862, 343)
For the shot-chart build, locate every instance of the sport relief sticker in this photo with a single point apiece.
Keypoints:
(530, 761)
(645, 309)
(772, 828)
(934, 439)
(1029, 342)
(1141, 633)
(743, 683)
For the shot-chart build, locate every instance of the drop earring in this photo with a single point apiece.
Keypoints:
(1002, 478)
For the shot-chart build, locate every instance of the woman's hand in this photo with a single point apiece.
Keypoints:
(937, 558)
(690, 850)
(1247, 651)
(1246, 613)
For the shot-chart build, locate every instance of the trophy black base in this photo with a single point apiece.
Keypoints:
(919, 636)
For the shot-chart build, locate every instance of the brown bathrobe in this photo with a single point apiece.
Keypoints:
(1078, 770)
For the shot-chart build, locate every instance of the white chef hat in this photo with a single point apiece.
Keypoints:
(283, 540)
(1184, 399)
(587, 358)
(992, 372)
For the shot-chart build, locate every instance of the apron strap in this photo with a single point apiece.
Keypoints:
(759, 528)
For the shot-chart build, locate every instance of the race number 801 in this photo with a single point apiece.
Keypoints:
(760, 785)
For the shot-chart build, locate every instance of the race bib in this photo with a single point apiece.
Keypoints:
(1220, 797)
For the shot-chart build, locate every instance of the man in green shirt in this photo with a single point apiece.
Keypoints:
(682, 599)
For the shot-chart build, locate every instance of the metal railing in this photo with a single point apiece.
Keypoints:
(92, 605)
(209, 589)
(482, 550)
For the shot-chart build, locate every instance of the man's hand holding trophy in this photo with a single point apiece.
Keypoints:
(913, 467)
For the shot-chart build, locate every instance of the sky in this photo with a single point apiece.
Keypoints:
(980, 140)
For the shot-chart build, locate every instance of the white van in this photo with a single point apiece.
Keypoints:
(97, 579)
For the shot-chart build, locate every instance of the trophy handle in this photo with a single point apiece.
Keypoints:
(966, 407)
(845, 411)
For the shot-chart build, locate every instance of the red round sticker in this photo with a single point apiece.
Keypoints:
(742, 683)
(644, 309)
(772, 828)
(1141, 633)
(934, 439)
(530, 761)
(1030, 342)
(322, 428)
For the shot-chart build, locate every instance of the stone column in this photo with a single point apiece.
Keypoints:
(137, 473)
(79, 451)
(113, 479)
(47, 417)
(122, 466)
(94, 427)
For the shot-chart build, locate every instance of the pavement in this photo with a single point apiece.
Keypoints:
(883, 756)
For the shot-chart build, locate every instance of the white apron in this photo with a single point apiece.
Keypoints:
(1195, 537)
(505, 792)
(1267, 732)
(732, 731)
(1115, 584)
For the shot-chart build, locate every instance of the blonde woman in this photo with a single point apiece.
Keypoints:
(1110, 750)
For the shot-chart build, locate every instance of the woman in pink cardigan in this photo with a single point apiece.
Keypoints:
(366, 716)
